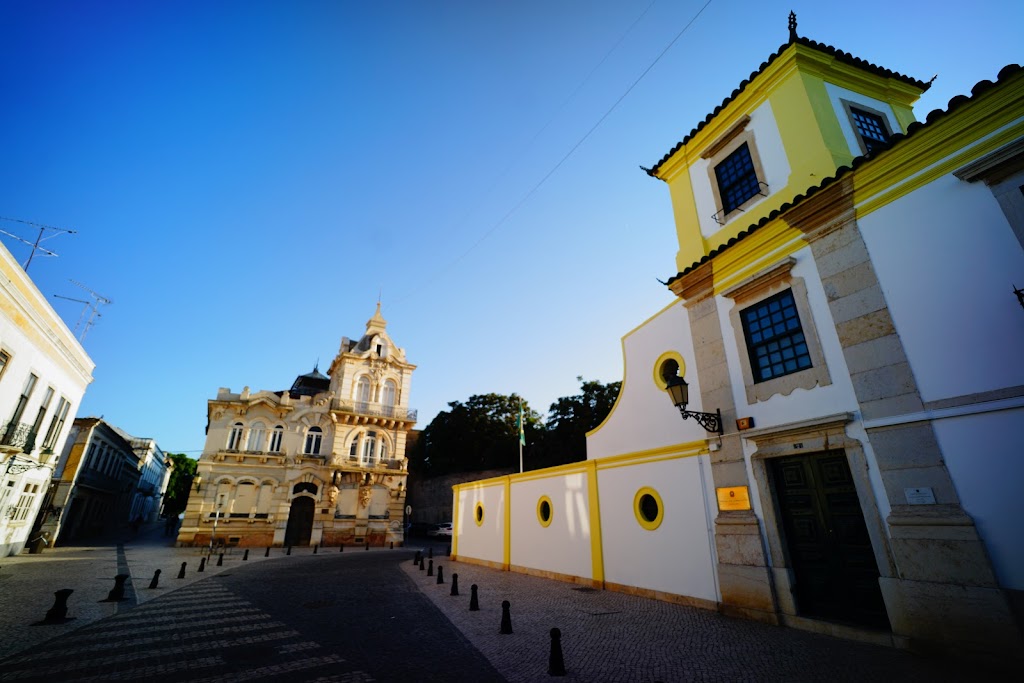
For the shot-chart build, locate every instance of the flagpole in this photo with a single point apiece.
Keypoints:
(521, 435)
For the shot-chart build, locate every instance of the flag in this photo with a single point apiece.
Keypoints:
(519, 423)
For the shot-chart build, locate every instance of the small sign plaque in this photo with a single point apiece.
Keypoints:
(733, 498)
(919, 496)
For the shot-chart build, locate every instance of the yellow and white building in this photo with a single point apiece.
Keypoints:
(321, 463)
(845, 300)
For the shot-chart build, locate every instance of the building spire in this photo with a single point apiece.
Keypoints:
(377, 322)
(792, 26)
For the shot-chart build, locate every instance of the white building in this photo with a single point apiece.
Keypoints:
(845, 301)
(43, 374)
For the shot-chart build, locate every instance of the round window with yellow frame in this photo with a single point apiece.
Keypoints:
(545, 511)
(478, 514)
(669, 364)
(648, 508)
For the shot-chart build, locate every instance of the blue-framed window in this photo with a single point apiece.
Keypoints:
(737, 179)
(871, 128)
(775, 338)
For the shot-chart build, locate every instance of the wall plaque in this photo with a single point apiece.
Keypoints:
(919, 496)
(733, 498)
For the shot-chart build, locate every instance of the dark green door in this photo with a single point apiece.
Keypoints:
(829, 547)
(300, 522)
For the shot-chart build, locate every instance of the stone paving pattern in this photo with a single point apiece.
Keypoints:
(230, 628)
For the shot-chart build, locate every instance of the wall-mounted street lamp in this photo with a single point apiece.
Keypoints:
(1020, 295)
(679, 391)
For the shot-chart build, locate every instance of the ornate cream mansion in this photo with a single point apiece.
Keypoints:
(321, 463)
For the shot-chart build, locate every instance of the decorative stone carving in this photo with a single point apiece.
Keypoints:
(364, 496)
(332, 494)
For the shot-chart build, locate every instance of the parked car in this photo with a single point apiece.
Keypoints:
(441, 530)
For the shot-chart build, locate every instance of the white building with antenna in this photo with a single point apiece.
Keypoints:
(43, 374)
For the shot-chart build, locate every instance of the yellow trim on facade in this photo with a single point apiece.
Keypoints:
(681, 450)
(551, 511)
(507, 552)
(622, 388)
(649, 524)
(456, 520)
(596, 535)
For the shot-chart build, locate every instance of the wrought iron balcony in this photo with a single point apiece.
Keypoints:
(17, 435)
(373, 409)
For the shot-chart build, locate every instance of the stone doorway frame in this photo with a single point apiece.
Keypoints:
(808, 437)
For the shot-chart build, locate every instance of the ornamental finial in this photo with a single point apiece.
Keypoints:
(792, 26)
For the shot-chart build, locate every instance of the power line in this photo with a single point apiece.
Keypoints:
(515, 207)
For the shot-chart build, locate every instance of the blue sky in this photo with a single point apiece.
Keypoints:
(245, 177)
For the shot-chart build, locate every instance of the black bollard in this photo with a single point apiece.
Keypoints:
(289, 552)
(367, 545)
(449, 551)
(421, 564)
(245, 555)
(156, 579)
(430, 568)
(392, 545)
(416, 560)
(202, 564)
(440, 574)
(556, 665)
(59, 612)
(455, 583)
(506, 618)
(181, 572)
(220, 560)
(430, 552)
(341, 548)
(116, 593)
(267, 554)
(474, 603)
(315, 548)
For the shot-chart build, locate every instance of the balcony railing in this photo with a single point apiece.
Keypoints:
(373, 409)
(387, 463)
(18, 435)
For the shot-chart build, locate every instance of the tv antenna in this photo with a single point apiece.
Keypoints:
(92, 306)
(39, 238)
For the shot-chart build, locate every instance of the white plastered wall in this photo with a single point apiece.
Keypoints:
(564, 546)
(955, 312)
(643, 417)
(677, 556)
(486, 541)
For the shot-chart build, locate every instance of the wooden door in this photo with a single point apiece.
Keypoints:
(300, 522)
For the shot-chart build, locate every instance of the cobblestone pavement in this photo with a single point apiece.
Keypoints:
(337, 617)
(610, 637)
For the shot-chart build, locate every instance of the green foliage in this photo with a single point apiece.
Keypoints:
(180, 483)
(481, 433)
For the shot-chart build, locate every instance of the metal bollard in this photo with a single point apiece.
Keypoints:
(421, 564)
(341, 548)
(220, 560)
(556, 665)
(267, 554)
(449, 551)
(181, 572)
(367, 545)
(430, 568)
(202, 564)
(59, 612)
(289, 551)
(506, 618)
(116, 593)
(455, 584)
(392, 545)
(440, 574)
(474, 603)
(156, 579)
(315, 547)
(245, 555)
(416, 560)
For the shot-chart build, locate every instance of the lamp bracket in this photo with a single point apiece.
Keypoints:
(711, 422)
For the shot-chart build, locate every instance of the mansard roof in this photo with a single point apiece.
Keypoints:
(936, 115)
(794, 39)
(310, 384)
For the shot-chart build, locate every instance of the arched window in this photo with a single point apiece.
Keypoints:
(369, 446)
(235, 437)
(383, 449)
(314, 437)
(257, 436)
(387, 396)
(275, 439)
(353, 450)
(363, 389)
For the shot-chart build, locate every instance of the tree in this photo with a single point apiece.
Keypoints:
(569, 420)
(480, 434)
(180, 483)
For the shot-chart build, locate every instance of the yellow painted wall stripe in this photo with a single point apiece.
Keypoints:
(596, 543)
(507, 555)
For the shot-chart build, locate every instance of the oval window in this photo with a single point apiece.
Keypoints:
(544, 511)
(648, 507)
(478, 514)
